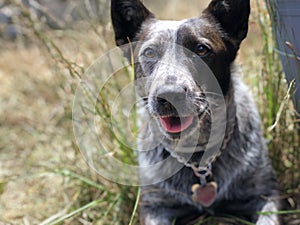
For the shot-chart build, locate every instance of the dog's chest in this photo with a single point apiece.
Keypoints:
(177, 187)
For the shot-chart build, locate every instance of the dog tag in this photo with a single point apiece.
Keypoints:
(205, 195)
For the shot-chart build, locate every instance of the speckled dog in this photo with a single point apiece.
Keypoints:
(238, 179)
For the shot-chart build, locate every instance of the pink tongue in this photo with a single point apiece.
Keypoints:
(174, 124)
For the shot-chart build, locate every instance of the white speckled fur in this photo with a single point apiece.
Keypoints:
(243, 172)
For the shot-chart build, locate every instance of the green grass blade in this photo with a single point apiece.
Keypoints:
(73, 175)
(112, 204)
(282, 212)
(135, 206)
(77, 211)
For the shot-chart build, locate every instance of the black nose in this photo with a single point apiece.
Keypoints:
(171, 99)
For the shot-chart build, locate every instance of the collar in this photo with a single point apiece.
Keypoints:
(203, 172)
(205, 192)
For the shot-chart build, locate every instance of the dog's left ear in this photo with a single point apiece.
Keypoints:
(127, 18)
(232, 15)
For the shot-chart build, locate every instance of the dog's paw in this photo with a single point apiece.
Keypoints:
(156, 220)
(271, 219)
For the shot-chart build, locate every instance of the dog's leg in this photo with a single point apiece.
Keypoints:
(155, 220)
(271, 219)
(154, 217)
(169, 214)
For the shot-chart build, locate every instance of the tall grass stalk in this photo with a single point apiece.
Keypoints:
(135, 207)
(116, 200)
(277, 109)
(77, 211)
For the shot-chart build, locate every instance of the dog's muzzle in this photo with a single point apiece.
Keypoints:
(172, 106)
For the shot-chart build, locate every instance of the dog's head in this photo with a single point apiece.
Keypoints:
(174, 57)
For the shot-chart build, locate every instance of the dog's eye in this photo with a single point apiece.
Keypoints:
(202, 50)
(149, 53)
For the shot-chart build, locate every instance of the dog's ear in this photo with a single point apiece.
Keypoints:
(127, 18)
(232, 15)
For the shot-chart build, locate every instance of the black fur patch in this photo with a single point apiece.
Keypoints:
(127, 18)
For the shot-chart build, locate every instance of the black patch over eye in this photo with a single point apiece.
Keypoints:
(149, 53)
(202, 50)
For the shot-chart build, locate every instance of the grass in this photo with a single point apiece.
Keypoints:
(278, 113)
(43, 177)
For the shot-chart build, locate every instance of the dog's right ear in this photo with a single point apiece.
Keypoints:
(232, 15)
(127, 18)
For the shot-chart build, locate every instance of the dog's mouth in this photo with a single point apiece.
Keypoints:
(176, 124)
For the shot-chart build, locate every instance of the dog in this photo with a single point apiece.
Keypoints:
(181, 70)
